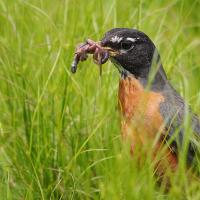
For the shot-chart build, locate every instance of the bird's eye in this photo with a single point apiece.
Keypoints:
(126, 45)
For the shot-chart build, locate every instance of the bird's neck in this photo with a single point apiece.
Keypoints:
(157, 82)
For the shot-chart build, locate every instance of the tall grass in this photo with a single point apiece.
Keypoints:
(60, 133)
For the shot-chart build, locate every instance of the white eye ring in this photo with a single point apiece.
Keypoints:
(126, 46)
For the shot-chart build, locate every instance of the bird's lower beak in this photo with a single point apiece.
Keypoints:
(112, 52)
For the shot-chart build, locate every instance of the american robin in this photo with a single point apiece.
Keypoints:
(152, 110)
(150, 106)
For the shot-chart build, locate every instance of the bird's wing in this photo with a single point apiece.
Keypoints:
(174, 110)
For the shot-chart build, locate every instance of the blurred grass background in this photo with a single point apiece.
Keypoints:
(60, 133)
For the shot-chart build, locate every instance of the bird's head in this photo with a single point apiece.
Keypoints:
(130, 49)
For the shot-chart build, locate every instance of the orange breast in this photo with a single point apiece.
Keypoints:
(141, 122)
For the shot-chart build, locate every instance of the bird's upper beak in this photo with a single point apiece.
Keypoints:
(112, 52)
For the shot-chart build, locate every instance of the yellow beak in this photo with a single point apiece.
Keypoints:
(111, 51)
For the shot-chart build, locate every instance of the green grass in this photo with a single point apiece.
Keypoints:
(60, 133)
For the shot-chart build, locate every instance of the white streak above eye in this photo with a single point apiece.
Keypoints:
(131, 39)
(117, 39)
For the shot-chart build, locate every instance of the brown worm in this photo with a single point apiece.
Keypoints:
(100, 54)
